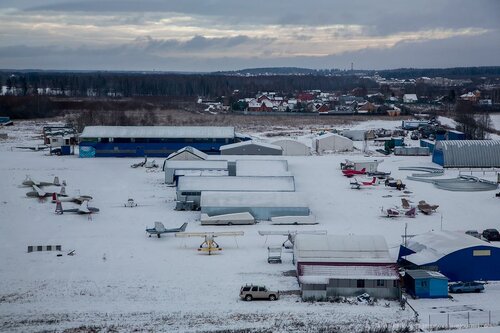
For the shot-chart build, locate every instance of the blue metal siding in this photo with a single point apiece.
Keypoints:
(438, 157)
(438, 288)
(463, 266)
(138, 149)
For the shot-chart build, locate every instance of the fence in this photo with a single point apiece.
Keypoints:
(461, 319)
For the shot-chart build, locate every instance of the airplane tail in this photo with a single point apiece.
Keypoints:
(56, 181)
(183, 227)
(63, 191)
(59, 209)
(54, 197)
(363, 170)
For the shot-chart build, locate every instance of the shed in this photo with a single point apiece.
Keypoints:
(251, 148)
(458, 256)
(188, 154)
(332, 142)
(467, 153)
(359, 135)
(172, 168)
(368, 165)
(426, 284)
(190, 188)
(262, 205)
(293, 147)
(345, 265)
(411, 151)
(262, 168)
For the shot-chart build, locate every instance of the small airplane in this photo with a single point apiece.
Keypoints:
(397, 184)
(78, 199)
(30, 182)
(426, 208)
(290, 235)
(39, 193)
(83, 209)
(34, 148)
(358, 185)
(397, 212)
(209, 245)
(351, 172)
(159, 229)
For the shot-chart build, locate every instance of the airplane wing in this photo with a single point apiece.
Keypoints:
(204, 234)
(292, 232)
(39, 191)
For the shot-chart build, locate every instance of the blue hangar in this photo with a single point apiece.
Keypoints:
(154, 141)
(457, 256)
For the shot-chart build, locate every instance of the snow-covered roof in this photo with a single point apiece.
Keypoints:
(232, 183)
(190, 172)
(191, 150)
(320, 274)
(412, 97)
(252, 199)
(432, 246)
(196, 164)
(250, 143)
(201, 132)
(332, 135)
(423, 274)
(262, 168)
(470, 153)
(341, 248)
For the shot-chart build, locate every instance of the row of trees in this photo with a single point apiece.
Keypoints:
(103, 84)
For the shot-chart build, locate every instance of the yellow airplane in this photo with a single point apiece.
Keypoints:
(209, 245)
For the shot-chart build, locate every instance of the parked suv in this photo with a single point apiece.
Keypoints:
(466, 287)
(491, 235)
(250, 292)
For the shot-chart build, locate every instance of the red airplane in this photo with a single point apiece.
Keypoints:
(351, 172)
(357, 185)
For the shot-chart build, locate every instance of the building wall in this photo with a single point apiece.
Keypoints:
(251, 150)
(293, 148)
(349, 287)
(471, 264)
(116, 149)
(260, 213)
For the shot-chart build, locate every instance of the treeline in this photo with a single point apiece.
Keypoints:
(113, 84)
(27, 107)
(451, 73)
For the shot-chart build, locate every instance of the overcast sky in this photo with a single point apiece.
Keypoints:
(211, 35)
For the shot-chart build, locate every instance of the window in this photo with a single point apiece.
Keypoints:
(49, 248)
(255, 288)
(246, 288)
(262, 289)
(395, 283)
(39, 248)
(58, 247)
(360, 283)
(380, 283)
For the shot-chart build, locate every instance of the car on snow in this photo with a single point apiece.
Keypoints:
(473, 233)
(491, 235)
(251, 292)
(466, 287)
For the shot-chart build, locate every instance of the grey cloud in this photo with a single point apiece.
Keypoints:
(384, 17)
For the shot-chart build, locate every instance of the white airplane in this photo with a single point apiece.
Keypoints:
(30, 182)
(159, 229)
(79, 199)
(39, 193)
(83, 209)
(290, 235)
(34, 148)
(209, 245)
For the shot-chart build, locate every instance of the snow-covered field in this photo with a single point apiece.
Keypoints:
(121, 279)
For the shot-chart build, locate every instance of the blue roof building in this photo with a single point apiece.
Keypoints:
(458, 256)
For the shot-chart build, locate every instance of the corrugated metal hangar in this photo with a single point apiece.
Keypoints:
(458, 256)
(467, 153)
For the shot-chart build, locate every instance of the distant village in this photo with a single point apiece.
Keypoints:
(393, 98)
